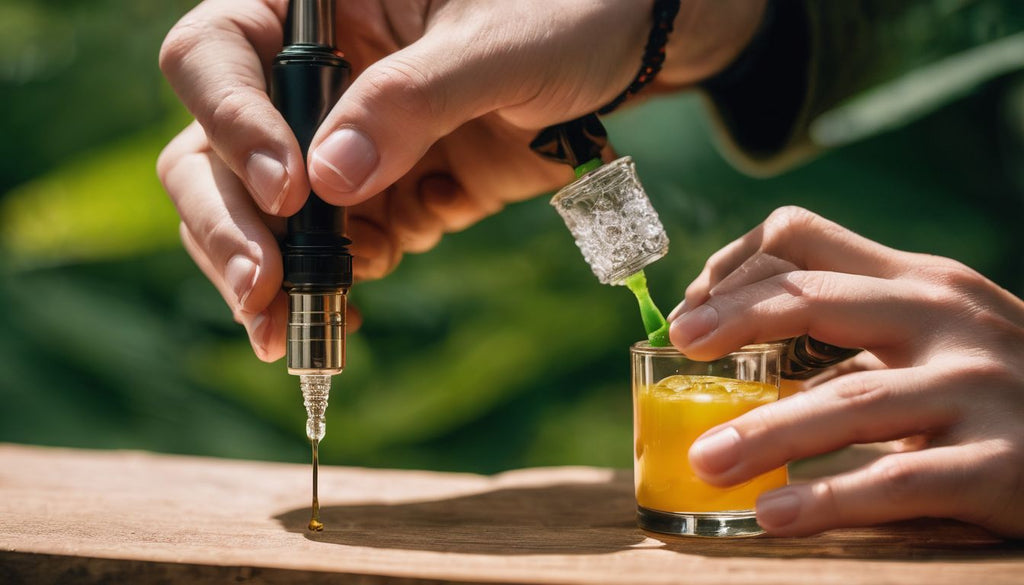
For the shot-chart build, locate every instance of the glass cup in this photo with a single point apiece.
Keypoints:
(675, 400)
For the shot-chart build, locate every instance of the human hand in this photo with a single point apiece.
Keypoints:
(447, 97)
(948, 377)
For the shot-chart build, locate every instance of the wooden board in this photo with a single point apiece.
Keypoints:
(128, 517)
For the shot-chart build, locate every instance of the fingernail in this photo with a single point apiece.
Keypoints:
(778, 509)
(268, 179)
(240, 274)
(718, 452)
(345, 159)
(693, 325)
(677, 311)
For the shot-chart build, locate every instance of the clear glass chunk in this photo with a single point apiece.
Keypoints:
(612, 221)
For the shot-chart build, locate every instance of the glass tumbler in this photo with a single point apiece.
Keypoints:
(675, 400)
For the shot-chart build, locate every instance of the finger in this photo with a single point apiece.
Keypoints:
(841, 309)
(223, 223)
(273, 324)
(208, 270)
(374, 252)
(265, 328)
(865, 407)
(353, 318)
(757, 267)
(935, 482)
(718, 265)
(456, 208)
(399, 106)
(416, 227)
(797, 237)
(863, 361)
(216, 60)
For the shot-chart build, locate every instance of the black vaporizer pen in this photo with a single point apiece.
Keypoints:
(307, 79)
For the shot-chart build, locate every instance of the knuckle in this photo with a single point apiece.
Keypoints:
(181, 41)
(861, 397)
(174, 152)
(858, 392)
(717, 266)
(950, 273)
(186, 237)
(785, 221)
(812, 287)
(949, 283)
(984, 372)
(764, 426)
(790, 214)
(175, 167)
(166, 161)
(405, 86)
(826, 495)
(219, 235)
(993, 383)
(897, 480)
(718, 257)
(789, 231)
(234, 107)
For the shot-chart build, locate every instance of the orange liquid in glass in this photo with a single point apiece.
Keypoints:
(670, 415)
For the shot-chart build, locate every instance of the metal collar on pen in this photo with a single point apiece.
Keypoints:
(310, 22)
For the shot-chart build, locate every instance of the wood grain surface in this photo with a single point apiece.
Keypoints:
(73, 516)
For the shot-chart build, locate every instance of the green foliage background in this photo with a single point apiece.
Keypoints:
(496, 350)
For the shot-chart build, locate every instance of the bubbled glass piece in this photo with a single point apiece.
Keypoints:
(612, 221)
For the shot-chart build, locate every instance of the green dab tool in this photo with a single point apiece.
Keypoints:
(654, 321)
(587, 167)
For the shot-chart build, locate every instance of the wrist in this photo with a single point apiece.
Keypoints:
(630, 25)
(663, 13)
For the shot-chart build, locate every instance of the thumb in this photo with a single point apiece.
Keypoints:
(394, 111)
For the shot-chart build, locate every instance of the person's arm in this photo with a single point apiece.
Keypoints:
(821, 73)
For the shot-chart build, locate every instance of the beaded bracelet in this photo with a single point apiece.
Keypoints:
(579, 142)
(664, 14)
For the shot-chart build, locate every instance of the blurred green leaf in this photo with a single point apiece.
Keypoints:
(107, 204)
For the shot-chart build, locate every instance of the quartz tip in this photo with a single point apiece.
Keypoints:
(315, 391)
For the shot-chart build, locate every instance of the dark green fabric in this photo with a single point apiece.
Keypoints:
(855, 46)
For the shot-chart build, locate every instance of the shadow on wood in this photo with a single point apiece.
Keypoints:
(567, 518)
(598, 518)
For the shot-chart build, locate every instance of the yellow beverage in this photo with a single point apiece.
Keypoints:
(670, 415)
(789, 387)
